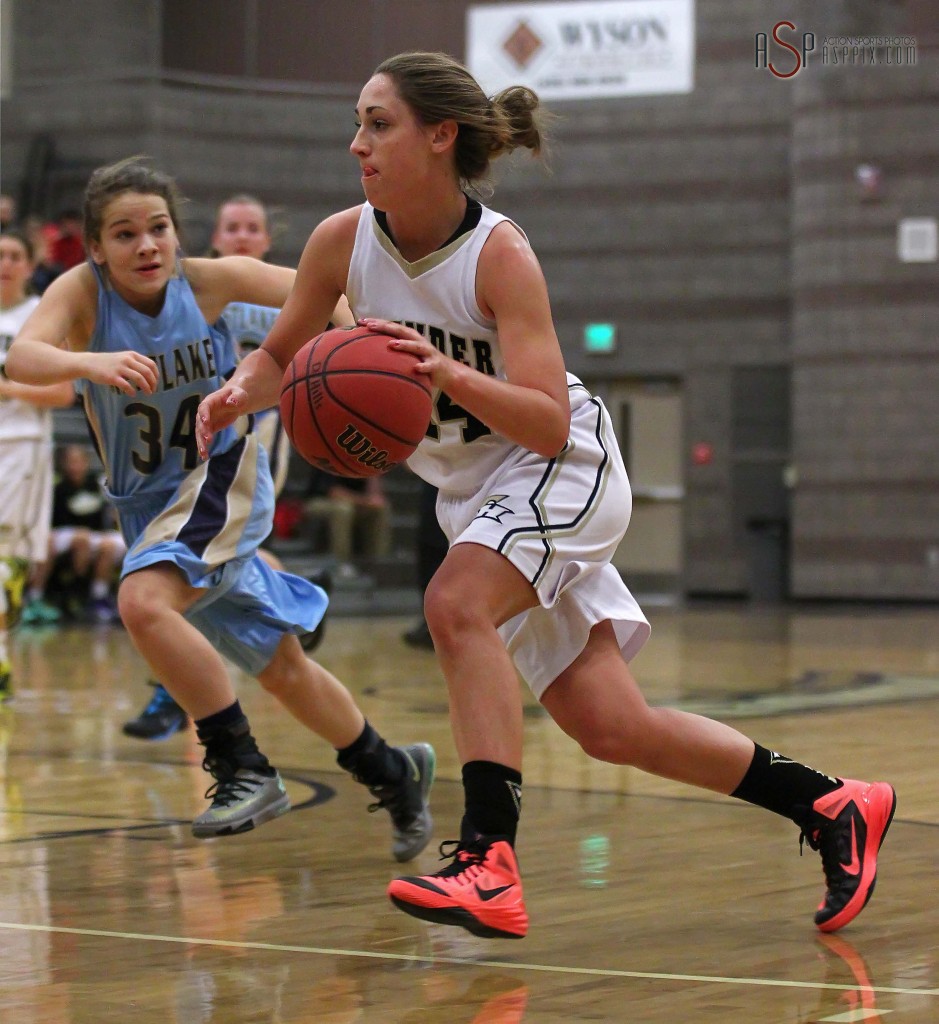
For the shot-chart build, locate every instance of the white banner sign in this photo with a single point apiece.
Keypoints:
(584, 48)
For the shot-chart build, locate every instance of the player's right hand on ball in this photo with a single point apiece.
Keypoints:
(216, 412)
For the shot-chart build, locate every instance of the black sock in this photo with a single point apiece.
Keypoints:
(228, 743)
(224, 719)
(371, 760)
(783, 786)
(493, 794)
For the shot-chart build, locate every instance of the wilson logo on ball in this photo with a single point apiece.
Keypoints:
(356, 444)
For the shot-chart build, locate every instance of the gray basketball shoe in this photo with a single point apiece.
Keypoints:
(407, 802)
(240, 802)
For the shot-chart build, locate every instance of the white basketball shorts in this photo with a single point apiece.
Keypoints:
(26, 508)
(558, 522)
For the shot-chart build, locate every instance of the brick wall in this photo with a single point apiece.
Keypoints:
(719, 230)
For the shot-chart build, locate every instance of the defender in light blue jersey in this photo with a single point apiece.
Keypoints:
(241, 229)
(140, 328)
(206, 519)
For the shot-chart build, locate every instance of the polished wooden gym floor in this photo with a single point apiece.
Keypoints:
(649, 902)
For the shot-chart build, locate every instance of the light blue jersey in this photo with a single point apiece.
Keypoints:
(249, 326)
(207, 518)
(148, 442)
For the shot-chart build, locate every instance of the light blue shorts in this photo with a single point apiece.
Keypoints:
(246, 614)
(210, 528)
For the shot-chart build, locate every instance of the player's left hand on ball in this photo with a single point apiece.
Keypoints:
(440, 368)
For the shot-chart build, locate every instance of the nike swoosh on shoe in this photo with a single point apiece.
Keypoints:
(490, 894)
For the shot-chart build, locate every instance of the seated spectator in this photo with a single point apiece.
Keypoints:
(85, 549)
(355, 512)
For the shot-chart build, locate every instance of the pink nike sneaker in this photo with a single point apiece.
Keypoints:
(847, 826)
(480, 891)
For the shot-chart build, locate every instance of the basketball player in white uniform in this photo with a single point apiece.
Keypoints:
(492, 491)
(25, 449)
(533, 498)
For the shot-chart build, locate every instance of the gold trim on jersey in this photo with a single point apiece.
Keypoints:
(240, 502)
(173, 518)
(95, 425)
(425, 263)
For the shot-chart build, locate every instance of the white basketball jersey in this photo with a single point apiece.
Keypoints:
(20, 420)
(437, 297)
(558, 521)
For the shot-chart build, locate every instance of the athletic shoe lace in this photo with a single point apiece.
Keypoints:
(396, 798)
(833, 856)
(228, 790)
(466, 857)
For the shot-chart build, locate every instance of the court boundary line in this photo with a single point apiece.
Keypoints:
(596, 972)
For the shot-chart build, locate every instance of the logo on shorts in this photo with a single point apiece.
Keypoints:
(492, 508)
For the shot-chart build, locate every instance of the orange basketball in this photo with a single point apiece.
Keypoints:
(353, 406)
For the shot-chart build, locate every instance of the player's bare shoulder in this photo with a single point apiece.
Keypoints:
(328, 251)
(507, 267)
(204, 274)
(342, 223)
(507, 241)
(211, 281)
(337, 232)
(76, 287)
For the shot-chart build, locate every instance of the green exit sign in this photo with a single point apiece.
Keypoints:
(600, 339)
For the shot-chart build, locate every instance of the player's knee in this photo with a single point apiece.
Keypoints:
(286, 670)
(612, 740)
(130, 606)
(451, 607)
(602, 743)
(635, 746)
(138, 605)
(447, 617)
